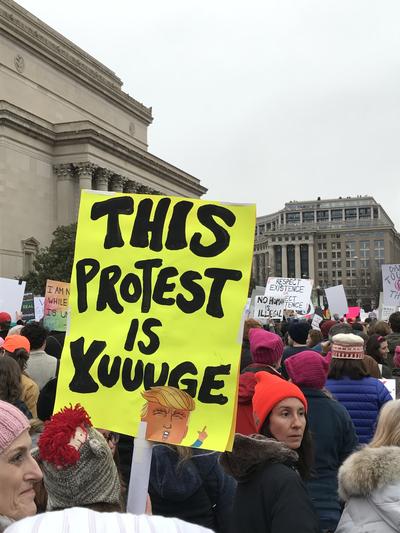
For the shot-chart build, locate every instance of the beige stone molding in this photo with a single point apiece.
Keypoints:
(64, 172)
(84, 168)
(22, 27)
(87, 133)
(132, 186)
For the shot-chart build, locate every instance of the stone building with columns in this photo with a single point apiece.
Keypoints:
(337, 241)
(65, 125)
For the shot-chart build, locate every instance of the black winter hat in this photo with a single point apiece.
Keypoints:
(298, 331)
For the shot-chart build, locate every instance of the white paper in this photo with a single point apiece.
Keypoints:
(295, 291)
(39, 307)
(11, 296)
(258, 291)
(390, 384)
(267, 307)
(337, 300)
(391, 284)
(316, 321)
(386, 311)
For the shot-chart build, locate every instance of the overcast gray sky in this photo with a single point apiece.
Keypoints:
(265, 101)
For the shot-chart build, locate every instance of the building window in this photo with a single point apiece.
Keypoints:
(379, 252)
(304, 266)
(308, 216)
(278, 260)
(337, 214)
(292, 218)
(291, 262)
(364, 254)
(350, 214)
(350, 249)
(322, 216)
(375, 212)
(364, 212)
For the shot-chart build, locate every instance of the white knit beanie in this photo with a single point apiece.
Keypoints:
(79, 520)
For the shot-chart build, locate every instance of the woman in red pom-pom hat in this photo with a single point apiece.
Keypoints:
(270, 465)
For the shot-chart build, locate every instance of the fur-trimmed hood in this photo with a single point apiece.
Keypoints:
(368, 470)
(249, 452)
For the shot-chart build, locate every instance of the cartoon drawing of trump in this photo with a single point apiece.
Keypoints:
(167, 414)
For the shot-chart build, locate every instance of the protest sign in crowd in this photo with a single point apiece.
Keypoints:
(151, 394)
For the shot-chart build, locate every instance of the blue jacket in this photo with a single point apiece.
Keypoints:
(363, 399)
(196, 490)
(334, 439)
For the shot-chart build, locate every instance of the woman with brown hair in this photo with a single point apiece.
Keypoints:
(270, 467)
(377, 347)
(10, 384)
(18, 347)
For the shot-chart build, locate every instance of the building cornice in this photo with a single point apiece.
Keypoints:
(27, 30)
(86, 132)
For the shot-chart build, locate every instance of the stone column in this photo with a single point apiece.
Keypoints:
(102, 177)
(271, 261)
(297, 264)
(284, 260)
(254, 268)
(66, 208)
(263, 269)
(311, 263)
(117, 183)
(85, 174)
(130, 186)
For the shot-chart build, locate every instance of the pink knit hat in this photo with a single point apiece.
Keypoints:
(265, 347)
(12, 423)
(308, 369)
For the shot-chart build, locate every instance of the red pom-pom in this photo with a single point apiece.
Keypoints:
(54, 444)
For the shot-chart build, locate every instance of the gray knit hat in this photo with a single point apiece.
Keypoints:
(78, 468)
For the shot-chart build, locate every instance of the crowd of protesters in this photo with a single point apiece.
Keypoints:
(317, 445)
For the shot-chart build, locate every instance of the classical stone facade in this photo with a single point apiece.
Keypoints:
(65, 125)
(338, 241)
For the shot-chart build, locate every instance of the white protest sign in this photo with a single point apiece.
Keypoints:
(258, 291)
(337, 300)
(11, 295)
(39, 307)
(390, 384)
(386, 311)
(316, 321)
(391, 284)
(295, 291)
(268, 307)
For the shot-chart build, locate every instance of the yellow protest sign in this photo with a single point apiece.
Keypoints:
(158, 289)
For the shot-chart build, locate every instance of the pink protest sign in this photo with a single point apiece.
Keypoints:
(353, 312)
